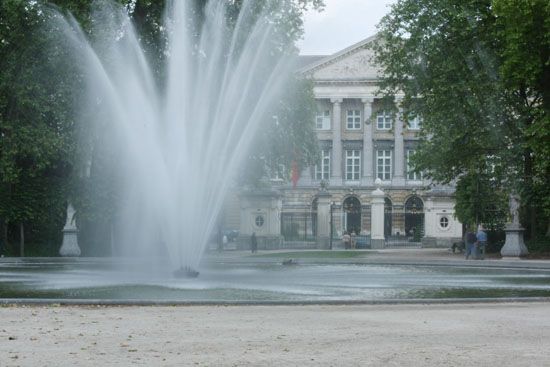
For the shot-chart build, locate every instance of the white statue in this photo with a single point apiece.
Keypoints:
(70, 216)
(69, 246)
(514, 208)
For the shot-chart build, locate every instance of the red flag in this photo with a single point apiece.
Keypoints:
(294, 174)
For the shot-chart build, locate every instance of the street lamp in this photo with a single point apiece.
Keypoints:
(330, 239)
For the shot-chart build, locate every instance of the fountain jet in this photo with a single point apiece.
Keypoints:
(177, 143)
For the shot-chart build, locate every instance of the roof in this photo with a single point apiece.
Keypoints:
(305, 60)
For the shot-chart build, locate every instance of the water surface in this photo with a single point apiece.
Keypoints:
(251, 281)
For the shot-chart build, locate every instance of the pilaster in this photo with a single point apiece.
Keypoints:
(368, 171)
(399, 148)
(336, 175)
(323, 219)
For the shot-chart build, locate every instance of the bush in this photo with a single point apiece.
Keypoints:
(539, 245)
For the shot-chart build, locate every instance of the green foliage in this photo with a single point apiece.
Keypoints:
(540, 245)
(288, 137)
(524, 27)
(38, 89)
(479, 199)
(457, 61)
(41, 150)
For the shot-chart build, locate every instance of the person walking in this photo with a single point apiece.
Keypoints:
(353, 240)
(481, 241)
(220, 241)
(253, 243)
(470, 240)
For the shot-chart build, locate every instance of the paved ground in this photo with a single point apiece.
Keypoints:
(398, 335)
(500, 334)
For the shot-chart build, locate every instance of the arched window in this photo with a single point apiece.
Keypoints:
(414, 205)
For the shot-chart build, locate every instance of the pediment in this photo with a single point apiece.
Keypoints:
(353, 63)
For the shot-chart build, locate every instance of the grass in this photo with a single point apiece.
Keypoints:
(314, 254)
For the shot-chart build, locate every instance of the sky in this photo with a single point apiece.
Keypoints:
(341, 24)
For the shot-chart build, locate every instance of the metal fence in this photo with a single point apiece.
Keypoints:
(403, 228)
(298, 226)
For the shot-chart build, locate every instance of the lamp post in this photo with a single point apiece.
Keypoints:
(330, 239)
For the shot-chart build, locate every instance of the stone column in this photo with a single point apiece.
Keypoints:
(513, 245)
(323, 219)
(69, 246)
(377, 216)
(399, 148)
(336, 179)
(368, 171)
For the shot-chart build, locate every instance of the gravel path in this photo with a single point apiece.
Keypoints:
(356, 335)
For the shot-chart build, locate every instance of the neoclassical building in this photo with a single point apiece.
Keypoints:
(361, 139)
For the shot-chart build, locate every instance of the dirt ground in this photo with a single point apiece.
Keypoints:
(513, 334)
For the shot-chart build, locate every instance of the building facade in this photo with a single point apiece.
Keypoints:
(361, 139)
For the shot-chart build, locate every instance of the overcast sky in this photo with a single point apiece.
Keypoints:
(341, 24)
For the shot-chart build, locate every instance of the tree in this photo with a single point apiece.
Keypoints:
(524, 27)
(40, 84)
(287, 139)
(448, 58)
(37, 123)
(479, 199)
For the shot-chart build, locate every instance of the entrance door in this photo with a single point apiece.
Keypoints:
(352, 215)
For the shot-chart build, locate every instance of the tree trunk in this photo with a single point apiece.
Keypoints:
(22, 239)
(531, 210)
(3, 236)
(548, 229)
(533, 217)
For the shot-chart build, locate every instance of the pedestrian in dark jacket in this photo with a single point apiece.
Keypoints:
(470, 240)
(481, 241)
(253, 243)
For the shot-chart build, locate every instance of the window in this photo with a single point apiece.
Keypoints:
(383, 164)
(384, 120)
(353, 165)
(259, 221)
(322, 170)
(444, 222)
(353, 120)
(411, 174)
(277, 174)
(415, 123)
(322, 121)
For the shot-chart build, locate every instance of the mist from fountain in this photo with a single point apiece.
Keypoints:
(179, 141)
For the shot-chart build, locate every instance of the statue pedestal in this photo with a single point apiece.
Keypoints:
(70, 243)
(514, 246)
(69, 247)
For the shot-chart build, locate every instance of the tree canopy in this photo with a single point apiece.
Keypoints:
(40, 86)
(456, 62)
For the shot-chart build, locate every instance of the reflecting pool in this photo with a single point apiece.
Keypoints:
(263, 282)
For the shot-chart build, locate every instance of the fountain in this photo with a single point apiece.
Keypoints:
(179, 143)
